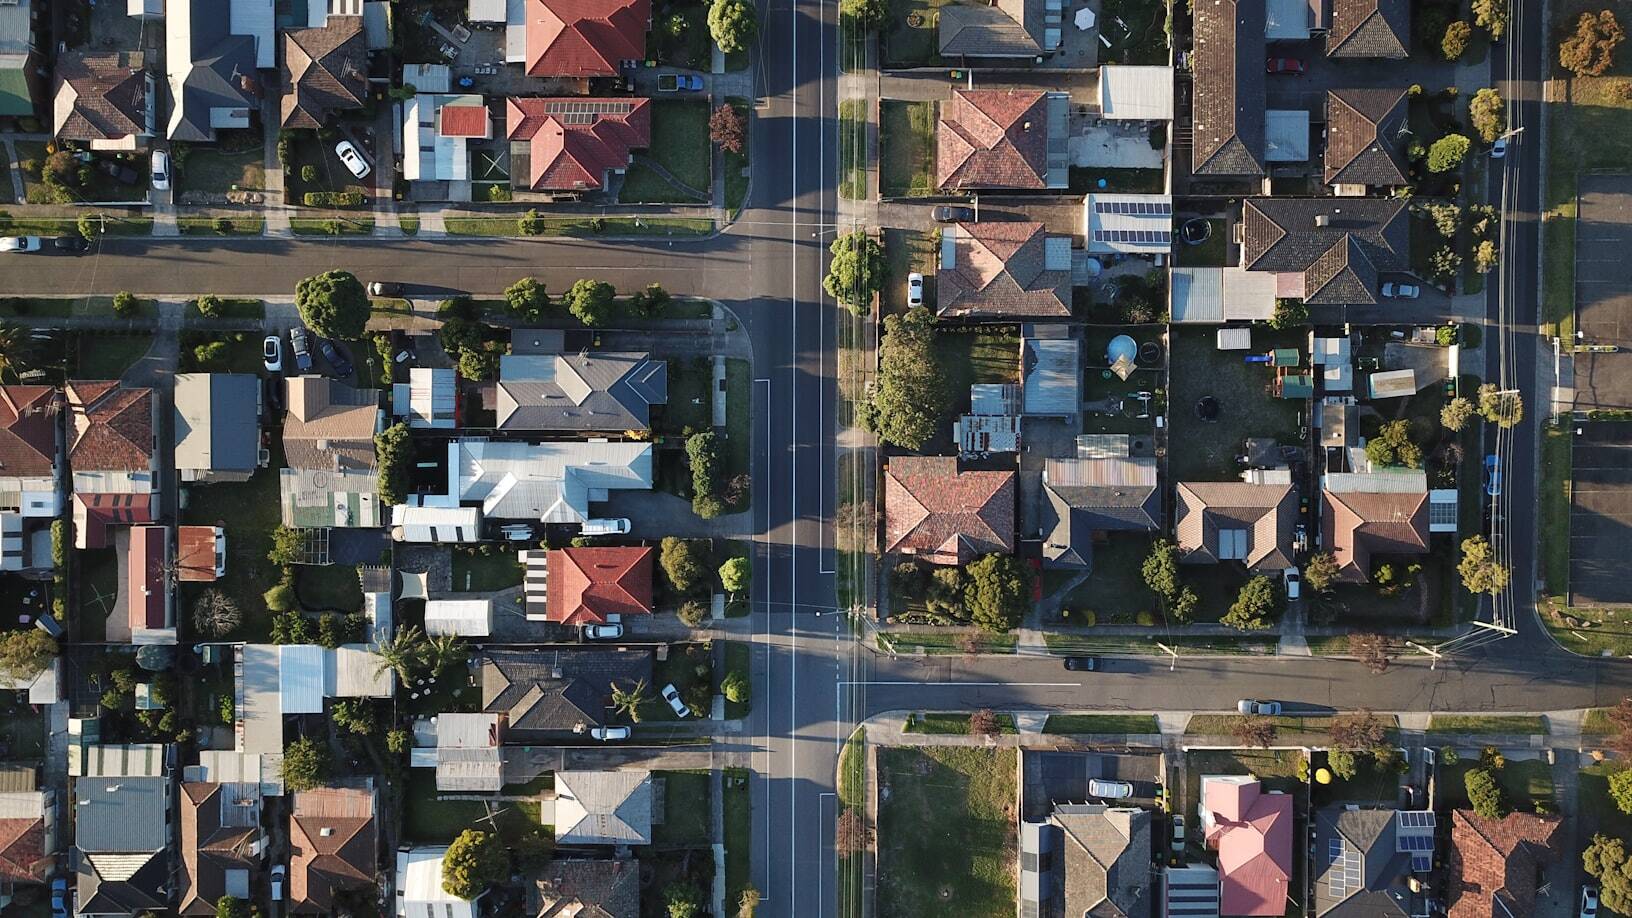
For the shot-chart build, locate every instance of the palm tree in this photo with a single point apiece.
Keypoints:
(14, 346)
(630, 700)
(403, 654)
(444, 650)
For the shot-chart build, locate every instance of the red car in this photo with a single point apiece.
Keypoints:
(1289, 65)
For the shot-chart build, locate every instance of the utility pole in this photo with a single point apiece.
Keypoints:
(1173, 662)
(1434, 655)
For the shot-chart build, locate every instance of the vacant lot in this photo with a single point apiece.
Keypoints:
(906, 139)
(946, 831)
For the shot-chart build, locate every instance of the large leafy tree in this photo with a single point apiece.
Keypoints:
(333, 304)
(1447, 152)
(473, 862)
(1606, 860)
(305, 764)
(591, 301)
(1161, 570)
(996, 591)
(727, 128)
(1252, 607)
(1393, 446)
(733, 23)
(527, 299)
(391, 448)
(1481, 572)
(682, 561)
(1488, 113)
(869, 14)
(1590, 51)
(856, 272)
(23, 654)
(911, 397)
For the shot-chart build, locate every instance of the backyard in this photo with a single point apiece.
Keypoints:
(250, 513)
(475, 572)
(906, 154)
(946, 831)
(1245, 405)
(96, 571)
(328, 587)
(680, 147)
(434, 821)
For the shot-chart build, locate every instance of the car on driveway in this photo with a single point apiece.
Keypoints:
(672, 696)
(1395, 291)
(1082, 664)
(354, 160)
(1293, 583)
(679, 82)
(954, 213)
(161, 170)
(19, 244)
(1265, 708)
(1589, 902)
(915, 289)
(1493, 475)
(272, 354)
(71, 245)
(59, 897)
(609, 632)
(1109, 790)
(336, 357)
(1178, 834)
(279, 874)
(301, 344)
(609, 734)
(1289, 66)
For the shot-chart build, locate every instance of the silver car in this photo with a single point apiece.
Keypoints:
(1265, 708)
(672, 696)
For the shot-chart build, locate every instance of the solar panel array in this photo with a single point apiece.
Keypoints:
(586, 111)
(1422, 863)
(1147, 237)
(1154, 208)
(1416, 819)
(1411, 844)
(1345, 868)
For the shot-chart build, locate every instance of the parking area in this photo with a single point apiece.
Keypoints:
(1603, 292)
(1062, 777)
(1307, 91)
(1601, 514)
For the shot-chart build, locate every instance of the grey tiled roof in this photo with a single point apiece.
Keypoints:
(1105, 871)
(556, 691)
(977, 30)
(1370, 28)
(1340, 244)
(601, 391)
(1370, 835)
(1228, 115)
(1109, 495)
(222, 74)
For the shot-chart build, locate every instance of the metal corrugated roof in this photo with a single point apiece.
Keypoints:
(300, 678)
(467, 617)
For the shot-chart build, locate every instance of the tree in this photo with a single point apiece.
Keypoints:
(748, 903)
(403, 654)
(1361, 731)
(443, 652)
(398, 741)
(1455, 41)
(1252, 606)
(1253, 730)
(125, 305)
(1503, 407)
(88, 226)
(1447, 218)
(15, 344)
(209, 306)
(651, 301)
(1342, 763)
(735, 575)
(983, 723)
(682, 900)
(334, 304)
(1289, 314)
(630, 700)
(473, 862)
(869, 14)
(287, 546)
(1393, 446)
(996, 591)
(1444, 264)
(682, 562)
(1485, 794)
(1447, 152)
(305, 764)
(1320, 571)
(356, 715)
(1184, 608)
(23, 654)
(693, 613)
(1492, 16)
(1488, 113)
(727, 128)
(1620, 790)
(1372, 650)
(856, 272)
(1591, 50)
(216, 614)
(1456, 414)
(1481, 573)
(231, 907)
(852, 833)
(1161, 570)
(911, 396)
(736, 688)
(733, 24)
(392, 450)
(703, 455)
(1606, 860)
(590, 300)
(1484, 256)
(280, 597)
(527, 299)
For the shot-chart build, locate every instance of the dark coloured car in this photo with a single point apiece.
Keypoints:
(71, 245)
(300, 343)
(384, 288)
(954, 213)
(336, 357)
(1082, 664)
(1289, 66)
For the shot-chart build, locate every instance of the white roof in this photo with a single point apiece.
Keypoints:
(1390, 481)
(1286, 20)
(428, 155)
(301, 678)
(1216, 295)
(1393, 384)
(431, 397)
(426, 77)
(260, 702)
(419, 887)
(549, 482)
(465, 617)
(485, 11)
(1286, 136)
(1136, 223)
(467, 731)
(435, 524)
(1136, 93)
(223, 766)
(1238, 338)
(134, 760)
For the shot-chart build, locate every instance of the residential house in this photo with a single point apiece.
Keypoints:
(603, 808)
(1228, 115)
(276, 681)
(112, 450)
(1495, 865)
(942, 515)
(467, 751)
(1326, 251)
(1003, 139)
(1251, 830)
(444, 124)
(201, 553)
(413, 522)
(1365, 139)
(1369, 29)
(1365, 860)
(429, 400)
(1236, 521)
(28, 830)
(584, 888)
(22, 81)
(557, 693)
(30, 442)
(210, 61)
(419, 886)
(221, 844)
(325, 71)
(1004, 29)
(589, 585)
(573, 143)
(333, 846)
(1382, 512)
(217, 420)
(1092, 859)
(542, 386)
(120, 857)
(149, 598)
(104, 99)
(329, 429)
(542, 482)
(1136, 92)
(1084, 496)
(1003, 271)
(583, 38)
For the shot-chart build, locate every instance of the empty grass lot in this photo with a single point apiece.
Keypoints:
(1246, 406)
(946, 831)
(433, 821)
(97, 574)
(906, 140)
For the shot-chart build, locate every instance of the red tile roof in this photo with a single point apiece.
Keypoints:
(993, 138)
(333, 838)
(585, 38)
(23, 858)
(569, 149)
(588, 584)
(112, 426)
(1001, 269)
(1252, 832)
(95, 513)
(28, 430)
(1357, 524)
(945, 516)
(1497, 859)
(144, 577)
(463, 121)
(195, 553)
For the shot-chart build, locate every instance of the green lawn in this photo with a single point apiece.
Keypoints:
(349, 225)
(328, 587)
(737, 659)
(242, 353)
(583, 226)
(978, 357)
(1290, 727)
(235, 225)
(96, 573)
(1596, 722)
(739, 831)
(643, 185)
(250, 512)
(938, 642)
(1556, 466)
(474, 573)
(687, 798)
(950, 723)
(232, 307)
(22, 729)
(1494, 723)
(1246, 405)
(1100, 723)
(1145, 39)
(1086, 179)
(906, 251)
(1210, 253)
(736, 164)
(853, 149)
(431, 821)
(1591, 631)
(946, 831)
(906, 148)
(1146, 644)
(681, 668)
(912, 36)
(1115, 590)
(851, 787)
(739, 425)
(109, 356)
(691, 386)
(1594, 803)
(1526, 781)
(680, 141)
(214, 170)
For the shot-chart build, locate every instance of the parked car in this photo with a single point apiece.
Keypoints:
(1493, 475)
(619, 526)
(336, 357)
(1109, 790)
(279, 874)
(679, 82)
(59, 897)
(19, 244)
(1499, 148)
(300, 343)
(272, 354)
(1266, 708)
(1293, 583)
(610, 632)
(1082, 664)
(71, 245)
(672, 696)
(610, 734)
(915, 289)
(1395, 291)
(161, 170)
(1178, 833)
(954, 213)
(1589, 902)
(384, 288)
(354, 160)
(1290, 66)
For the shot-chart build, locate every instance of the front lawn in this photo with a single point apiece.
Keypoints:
(1557, 466)
(1510, 724)
(1074, 724)
(951, 723)
(218, 171)
(679, 35)
(738, 659)
(1594, 803)
(484, 573)
(853, 149)
(912, 34)
(906, 148)
(946, 831)
(1246, 405)
(739, 424)
(736, 164)
(109, 356)
(687, 797)
(690, 668)
(738, 832)
(680, 145)
(429, 820)
(946, 642)
(1115, 590)
(1527, 782)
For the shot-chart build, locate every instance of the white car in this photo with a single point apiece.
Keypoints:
(1265, 708)
(161, 170)
(1499, 148)
(20, 244)
(1178, 833)
(354, 160)
(1589, 902)
(619, 526)
(915, 289)
(1293, 582)
(272, 354)
(279, 872)
(672, 696)
(609, 734)
(603, 632)
(1395, 291)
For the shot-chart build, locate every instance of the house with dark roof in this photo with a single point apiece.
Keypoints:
(28, 842)
(1369, 29)
(544, 386)
(221, 844)
(1494, 865)
(1326, 251)
(573, 143)
(1251, 829)
(1003, 29)
(603, 807)
(1003, 271)
(120, 857)
(584, 38)
(1236, 521)
(22, 83)
(1094, 861)
(217, 426)
(1082, 497)
(104, 99)
(1365, 147)
(587, 585)
(1003, 139)
(557, 693)
(30, 443)
(585, 888)
(1364, 861)
(1227, 115)
(333, 846)
(938, 513)
(112, 450)
(325, 70)
(1383, 512)
(211, 68)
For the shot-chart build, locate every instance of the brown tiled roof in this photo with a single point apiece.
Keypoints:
(1266, 512)
(1370, 28)
(1497, 859)
(28, 430)
(946, 516)
(992, 138)
(585, 38)
(463, 121)
(208, 848)
(1363, 137)
(333, 842)
(23, 858)
(1000, 269)
(1228, 112)
(100, 96)
(330, 425)
(586, 889)
(1357, 524)
(324, 70)
(145, 590)
(588, 584)
(195, 553)
(112, 426)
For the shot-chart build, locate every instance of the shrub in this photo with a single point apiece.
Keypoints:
(209, 306)
(1456, 413)
(1456, 39)
(280, 598)
(1252, 606)
(1485, 794)
(125, 304)
(693, 613)
(1448, 152)
(305, 764)
(1289, 314)
(332, 198)
(1444, 264)
(530, 223)
(308, 173)
(1447, 218)
(683, 562)
(736, 687)
(498, 194)
(1485, 257)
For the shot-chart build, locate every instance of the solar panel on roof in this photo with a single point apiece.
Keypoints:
(1417, 819)
(1413, 843)
(1422, 864)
